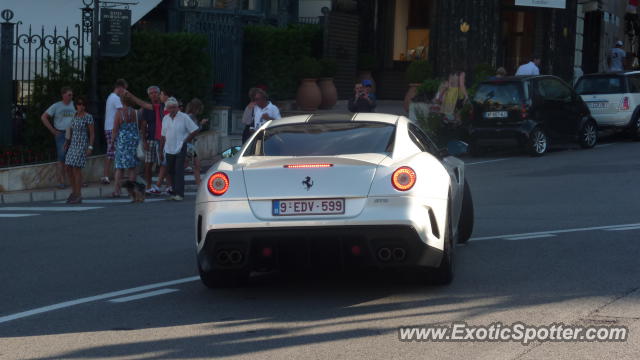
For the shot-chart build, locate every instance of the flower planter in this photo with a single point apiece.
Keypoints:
(329, 93)
(309, 96)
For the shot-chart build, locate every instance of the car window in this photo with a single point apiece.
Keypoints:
(499, 93)
(552, 89)
(422, 140)
(634, 84)
(323, 139)
(608, 84)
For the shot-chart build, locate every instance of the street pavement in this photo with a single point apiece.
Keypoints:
(556, 240)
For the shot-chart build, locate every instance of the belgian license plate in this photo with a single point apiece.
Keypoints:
(308, 207)
(496, 114)
(597, 104)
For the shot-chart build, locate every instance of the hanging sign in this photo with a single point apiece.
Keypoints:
(115, 32)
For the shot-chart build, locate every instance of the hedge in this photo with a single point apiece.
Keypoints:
(270, 55)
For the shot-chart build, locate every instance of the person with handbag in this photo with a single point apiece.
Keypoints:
(78, 146)
(126, 136)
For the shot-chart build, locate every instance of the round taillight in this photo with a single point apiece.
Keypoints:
(218, 183)
(403, 178)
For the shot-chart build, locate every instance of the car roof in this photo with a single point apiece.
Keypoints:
(336, 117)
(518, 78)
(619, 73)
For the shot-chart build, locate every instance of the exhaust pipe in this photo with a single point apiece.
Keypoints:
(235, 256)
(399, 254)
(384, 254)
(222, 257)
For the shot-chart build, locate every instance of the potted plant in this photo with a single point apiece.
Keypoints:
(418, 71)
(366, 64)
(328, 68)
(308, 97)
(421, 104)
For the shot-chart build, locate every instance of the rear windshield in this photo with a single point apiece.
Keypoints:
(321, 139)
(600, 85)
(499, 94)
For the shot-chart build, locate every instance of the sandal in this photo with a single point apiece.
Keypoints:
(105, 180)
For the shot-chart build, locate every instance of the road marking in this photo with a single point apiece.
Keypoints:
(109, 201)
(143, 296)
(603, 145)
(529, 237)
(49, 208)
(624, 228)
(85, 300)
(485, 162)
(557, 231)
(16, 215)
(186, 178)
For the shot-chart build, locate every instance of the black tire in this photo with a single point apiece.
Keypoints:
(634, 128)
(589, 135)
(215, 279)
(443, 274)
(538, 142)
(465, 224)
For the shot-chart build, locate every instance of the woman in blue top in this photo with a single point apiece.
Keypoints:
(126, 135)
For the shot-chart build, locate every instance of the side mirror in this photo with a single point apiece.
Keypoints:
(230, 152)
(457, 148)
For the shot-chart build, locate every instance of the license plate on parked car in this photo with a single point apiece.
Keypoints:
(308, 207)
(597, 104)
(496, 114)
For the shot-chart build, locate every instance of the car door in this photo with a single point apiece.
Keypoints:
(560, 107)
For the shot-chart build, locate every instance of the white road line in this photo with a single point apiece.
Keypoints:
(186, 178)
(556, 231)
(109, 201)
(85, 300)
(485, 162)
(603, 145)
(142, 296)
(624, 228)
(49, 208)
(529, 237)
(16, 215)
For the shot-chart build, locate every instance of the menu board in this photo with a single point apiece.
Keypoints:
(115, 32)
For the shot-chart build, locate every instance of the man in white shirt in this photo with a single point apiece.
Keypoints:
(62, 113)
(530, 68)
(615, 58)
(177, 130)
(264, 110)
(113, 104)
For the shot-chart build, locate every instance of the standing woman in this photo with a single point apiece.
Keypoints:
(79, 146)
(194, 109)
(126, 134)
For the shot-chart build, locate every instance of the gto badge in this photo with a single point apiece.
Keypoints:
(308, 182)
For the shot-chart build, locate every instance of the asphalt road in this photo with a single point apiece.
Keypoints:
(557, 239)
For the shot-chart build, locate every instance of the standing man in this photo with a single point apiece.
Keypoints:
(615, 58)
(177, 131)
(152, 114)
(530, 68)
(113, 105)
(62, 113)
(361, 101)
(263, 110)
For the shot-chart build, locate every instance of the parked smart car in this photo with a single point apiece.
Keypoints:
(614, 100)
(532, 110)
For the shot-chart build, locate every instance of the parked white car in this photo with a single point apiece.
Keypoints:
(333, 191)
(613, 99)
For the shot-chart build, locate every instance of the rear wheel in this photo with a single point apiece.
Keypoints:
(538, 142)
(465, 225)
(216, 278)
(634, 128)
(589, 135)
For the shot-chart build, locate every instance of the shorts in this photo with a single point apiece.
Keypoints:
(111, 150)
(60, 151)
(151, 155)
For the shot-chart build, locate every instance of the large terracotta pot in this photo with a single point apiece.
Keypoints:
(411, 93)
(308, 97)
(366, 75)
(329, 93)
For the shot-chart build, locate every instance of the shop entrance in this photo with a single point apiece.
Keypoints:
(518, 38)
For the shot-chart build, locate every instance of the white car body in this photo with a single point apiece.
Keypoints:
(614, 109)
(245, 212)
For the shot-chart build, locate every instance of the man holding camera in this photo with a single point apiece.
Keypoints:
(361, 102)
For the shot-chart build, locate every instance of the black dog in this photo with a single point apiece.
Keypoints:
(135, 189)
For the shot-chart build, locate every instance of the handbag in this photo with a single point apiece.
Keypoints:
(140, 149)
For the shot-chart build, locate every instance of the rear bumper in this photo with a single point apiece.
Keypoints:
(619, 119)
(500, 134)
(317, 247)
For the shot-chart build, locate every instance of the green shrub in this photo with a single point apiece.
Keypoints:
(419, 71)
(179, 62)
(366, 62)
(307, 68)
(270, 52)
(328, 67)
(427, 90)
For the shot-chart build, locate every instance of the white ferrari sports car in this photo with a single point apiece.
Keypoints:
(333, 191)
